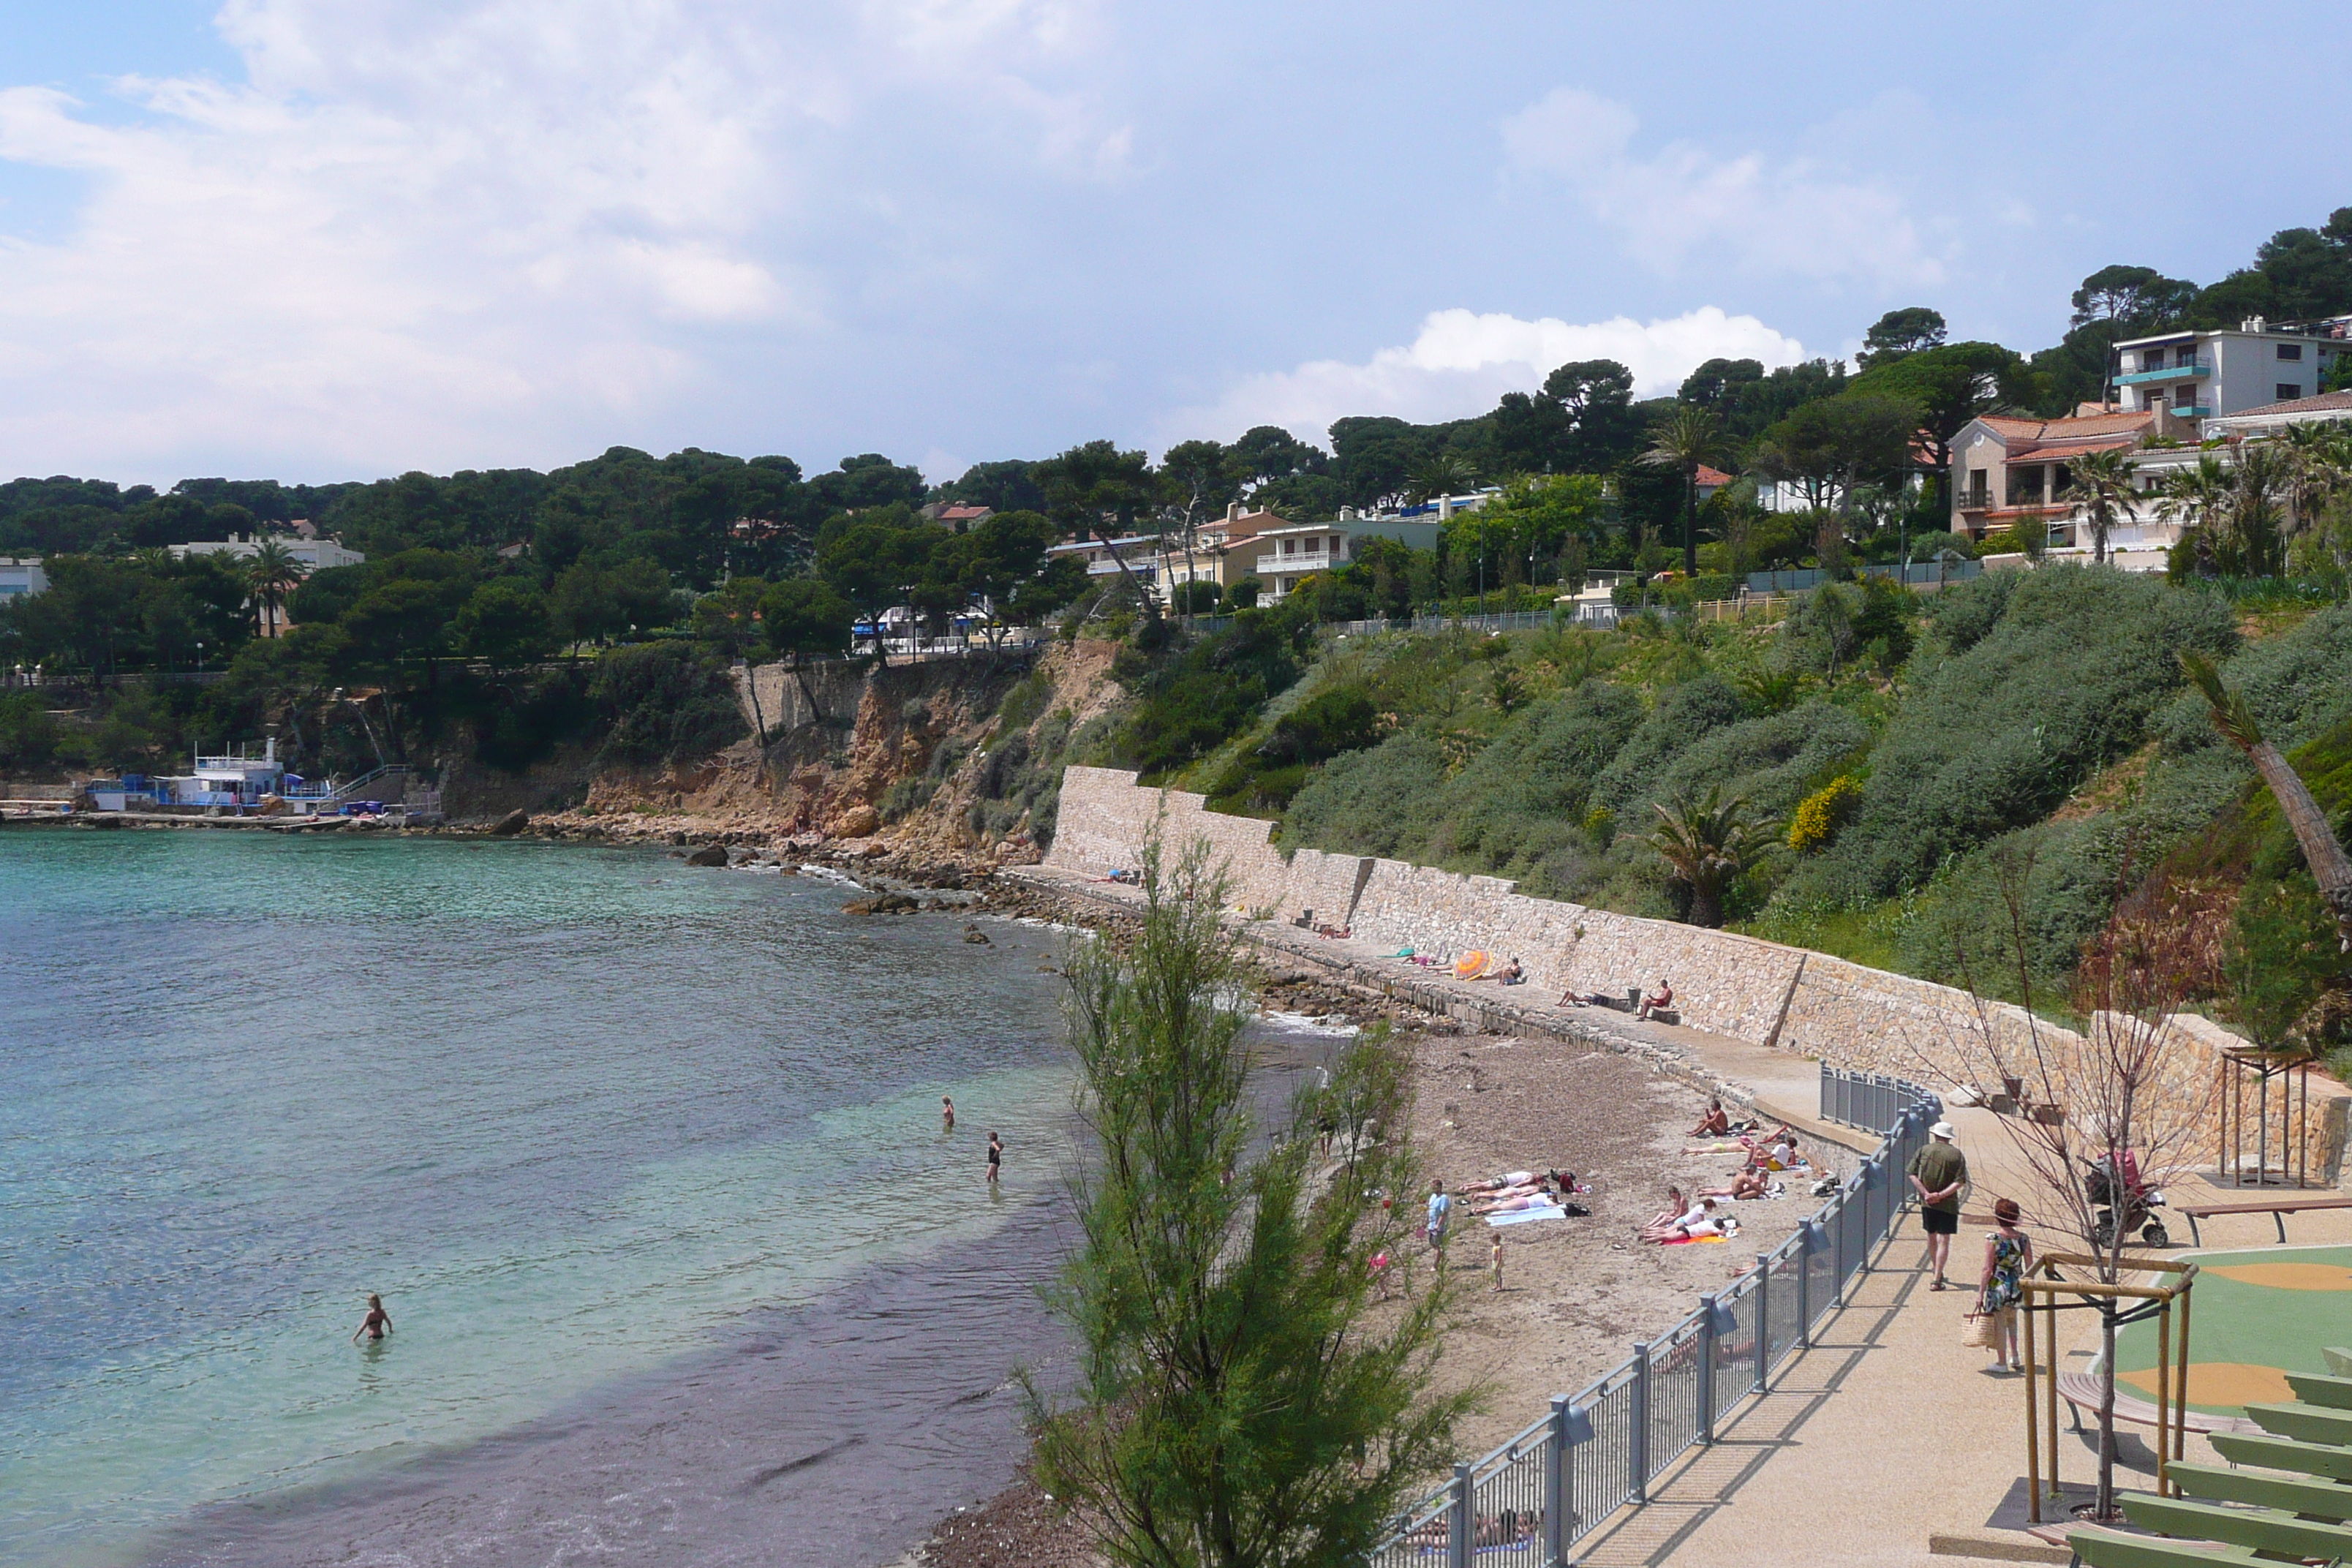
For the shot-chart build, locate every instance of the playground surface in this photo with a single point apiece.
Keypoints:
(2255, 1316)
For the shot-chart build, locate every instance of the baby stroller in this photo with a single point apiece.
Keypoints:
(2119, 1195)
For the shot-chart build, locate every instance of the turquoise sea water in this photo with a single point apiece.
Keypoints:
(579, 1115)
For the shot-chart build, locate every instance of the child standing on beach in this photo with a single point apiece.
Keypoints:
(1440, 1209)
(1494, 1252)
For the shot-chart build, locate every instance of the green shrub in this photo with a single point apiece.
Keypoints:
(1995, 738)
(1771, 763)
(1525, 795)
(1340, 719)
(28, 736)
(1382, 801)
(662, 702)
(1192, 702)
(1684, 714)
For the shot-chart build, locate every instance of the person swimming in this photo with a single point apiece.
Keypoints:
(377, 1323)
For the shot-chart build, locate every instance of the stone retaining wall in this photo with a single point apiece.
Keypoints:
(1759, 991)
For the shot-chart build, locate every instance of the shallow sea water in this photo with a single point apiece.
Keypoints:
(645, 1160)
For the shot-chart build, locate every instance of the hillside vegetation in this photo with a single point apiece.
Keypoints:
(1932, 774)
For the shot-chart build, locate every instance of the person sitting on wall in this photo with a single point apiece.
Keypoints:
(1511, 973)
(1662, 998)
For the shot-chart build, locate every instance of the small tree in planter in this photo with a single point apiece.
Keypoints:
(2124, 1085)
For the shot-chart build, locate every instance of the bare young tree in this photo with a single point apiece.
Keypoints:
(2113, 1106)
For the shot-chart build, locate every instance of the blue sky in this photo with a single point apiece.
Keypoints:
(339, 239)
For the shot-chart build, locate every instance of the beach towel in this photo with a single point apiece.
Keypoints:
(1520, 1217)
(1471, 965)
(1686, 1240)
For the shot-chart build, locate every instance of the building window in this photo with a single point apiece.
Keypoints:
(2287, 391)
(2290, 351)
(1314, 544)
(2184, 396)
(1290, 547)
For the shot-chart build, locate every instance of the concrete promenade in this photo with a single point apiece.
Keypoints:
(1885, 1444)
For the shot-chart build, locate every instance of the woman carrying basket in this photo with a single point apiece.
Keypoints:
(2009, 1257)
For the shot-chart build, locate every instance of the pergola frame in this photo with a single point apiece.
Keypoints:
(2172, 1365)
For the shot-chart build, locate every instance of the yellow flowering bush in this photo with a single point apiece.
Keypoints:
(1820, 814)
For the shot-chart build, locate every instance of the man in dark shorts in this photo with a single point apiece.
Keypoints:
(995, 1157)
(1937, 1174)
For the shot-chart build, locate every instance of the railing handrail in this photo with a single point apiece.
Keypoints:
(1566, 1514)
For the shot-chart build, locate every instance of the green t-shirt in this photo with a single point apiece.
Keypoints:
(1939, 1166)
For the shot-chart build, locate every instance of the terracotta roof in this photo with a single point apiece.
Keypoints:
(2059, 451)
(1714, 478)
(963, 513)
(2326, 401)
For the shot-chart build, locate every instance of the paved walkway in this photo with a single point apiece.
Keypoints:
(1886, 1445)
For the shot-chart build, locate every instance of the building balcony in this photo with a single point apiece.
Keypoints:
(2169, 373)
(1976, 501)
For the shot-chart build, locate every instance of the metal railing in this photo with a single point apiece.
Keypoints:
(1526, 1504)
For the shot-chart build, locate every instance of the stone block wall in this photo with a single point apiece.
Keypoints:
(1761, 992)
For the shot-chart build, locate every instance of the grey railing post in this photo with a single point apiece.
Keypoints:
(1804, 1289)
(1763, 1321)
(1457, 1536)
(1556, 1486)
(1639, 1447)
(1837, 1253)
(1707, 1368)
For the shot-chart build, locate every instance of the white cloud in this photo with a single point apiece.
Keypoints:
(436, 232)
(1796, 217)
(1462, 361)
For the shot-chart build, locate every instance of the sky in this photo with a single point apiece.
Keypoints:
(331, 239)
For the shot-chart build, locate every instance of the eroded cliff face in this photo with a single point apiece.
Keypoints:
(951, 761)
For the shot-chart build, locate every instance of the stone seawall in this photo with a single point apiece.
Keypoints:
(1740, 987)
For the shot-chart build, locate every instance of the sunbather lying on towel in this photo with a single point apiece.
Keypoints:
(1539, 1199)
(1510, 1179)
(1699, 1218)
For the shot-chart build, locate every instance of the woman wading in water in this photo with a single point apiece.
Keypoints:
(377, 1323)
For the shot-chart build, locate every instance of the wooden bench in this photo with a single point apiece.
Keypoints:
(2277, 1209)
(2082, 1391)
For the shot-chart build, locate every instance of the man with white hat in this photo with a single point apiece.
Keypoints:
(1937, 1174)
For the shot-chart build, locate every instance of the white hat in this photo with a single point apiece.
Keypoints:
(1941, 1129)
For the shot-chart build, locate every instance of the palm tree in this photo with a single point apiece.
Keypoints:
(2330, 866)
(1707, 842)
(1685, 439)
(272, 575)
(2259, 486)
(2197, 498)
(2319, 473)
(2102, 486)
(1435, 478)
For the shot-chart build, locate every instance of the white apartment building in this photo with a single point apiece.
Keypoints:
(2198, 375)
(21, 576)
(314, 554)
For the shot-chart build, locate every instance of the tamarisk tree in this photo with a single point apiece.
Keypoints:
(1245, 1396)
